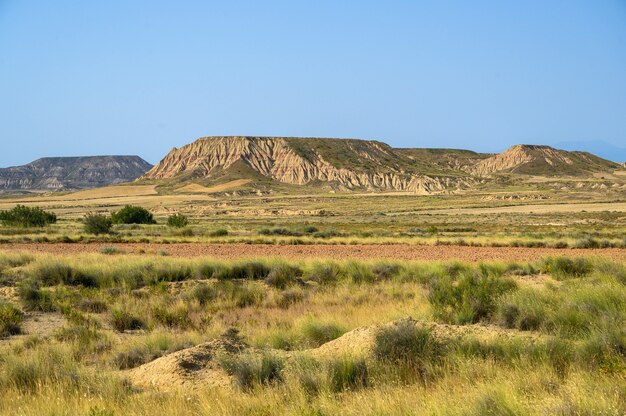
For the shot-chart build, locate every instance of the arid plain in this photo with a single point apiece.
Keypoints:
(459, 283)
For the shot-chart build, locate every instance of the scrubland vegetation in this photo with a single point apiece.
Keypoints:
(546, 337)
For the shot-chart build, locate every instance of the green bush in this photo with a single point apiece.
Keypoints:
(468, 299)
(315, 333)
(220, 232)
(97, 224)
(123, 320)
(250, 371)
(172, 317)
(23, 216)
(203, 293)
(34, 298)
(10, 319)
(132, 215)
(283, 275)
(407, 344)
(324, 272)
(177, 220)
(348, 374)
(564, 267)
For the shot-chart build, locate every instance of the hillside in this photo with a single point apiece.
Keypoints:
(343, 164)
(350, 164)
(59, 173)
(542, 160)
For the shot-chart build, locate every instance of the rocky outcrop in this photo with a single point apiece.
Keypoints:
(541, 160)
(57, 173)
(288, 162)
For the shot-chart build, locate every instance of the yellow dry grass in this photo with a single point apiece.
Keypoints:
(197, 188)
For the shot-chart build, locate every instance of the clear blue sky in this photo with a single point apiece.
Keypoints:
(139, 77)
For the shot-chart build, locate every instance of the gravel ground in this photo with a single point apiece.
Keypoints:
(338, 252)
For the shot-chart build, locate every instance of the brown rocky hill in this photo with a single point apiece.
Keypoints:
(542, 160)
(350, 164)
(345, 164)
(67, 173)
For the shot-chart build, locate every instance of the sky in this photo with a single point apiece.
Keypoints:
(140, 77)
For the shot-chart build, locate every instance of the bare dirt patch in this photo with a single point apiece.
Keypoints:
(327, 251)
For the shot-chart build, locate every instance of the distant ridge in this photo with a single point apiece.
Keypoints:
(69, 173)
(352, 164)
(542, 160)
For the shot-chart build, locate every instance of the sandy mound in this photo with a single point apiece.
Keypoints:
(198, 367)
(360, 342)
(191, 368)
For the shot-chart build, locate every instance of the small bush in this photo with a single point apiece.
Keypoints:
(278, 231)
(122, 320)
(289, 297)
(250, 371)
(564, 267)
(177, 220)
(176, 316)
(252, 270)
(348, 374)
(469, 299)
(220, 232)
(10, 319)
(360, 273)
(324, 273)
(282, 275)
(54, 273)
(34, 298)
(92, 305)
(203, 293)
(23, 216)
(132, 215)
(315, 333)
(310, 229)
(405, 344)
(110, 250)
(97, 224)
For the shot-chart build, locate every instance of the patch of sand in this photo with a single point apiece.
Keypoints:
(195, 188)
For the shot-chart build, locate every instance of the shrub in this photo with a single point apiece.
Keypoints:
(360, 273)
(132, 215)
(177, 220)
(10, 319)
(323, 273)
(97, 224)
(54, 273)
(564, 267)
(92, 305)
(468, 299)
(123, 320)
(220, 232)
(110, 250)
(348, 374)
(23, 216)
(176, 316)
(35, 298)
(253, 270)
(249, 371)
(289, 297)
(405, 344)
(203, 293)
(282, 275)
(310, 229)
(315, 333)
(278, 231)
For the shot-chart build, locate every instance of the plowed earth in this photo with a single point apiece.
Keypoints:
(337, 252)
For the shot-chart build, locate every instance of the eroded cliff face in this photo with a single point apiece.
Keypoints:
(519, 155)
(275, 158)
